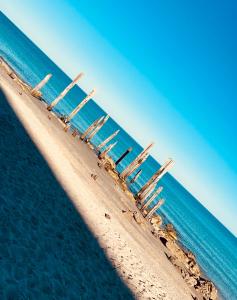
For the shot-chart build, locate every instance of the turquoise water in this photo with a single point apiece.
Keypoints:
(214, 246)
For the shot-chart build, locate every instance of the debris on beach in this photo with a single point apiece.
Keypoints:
(138, 218)
(94, 176)
(107, 216)
(184, 261)
(156, 222)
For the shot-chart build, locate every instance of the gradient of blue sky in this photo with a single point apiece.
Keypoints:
(170, 64)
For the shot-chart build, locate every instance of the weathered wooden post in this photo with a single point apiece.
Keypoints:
(98, 128)
(157, 176)
(137, 165)
(138, 158)
(64, 92)
(107, 140)
(148, 202)
(91, 127)
(136, 176)
(67, 119)
(154, 209)
(123, 156)
(146, 194)
(79, 107)
(106, 151)
(36, 90)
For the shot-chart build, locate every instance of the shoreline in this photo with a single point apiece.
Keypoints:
(73, 164)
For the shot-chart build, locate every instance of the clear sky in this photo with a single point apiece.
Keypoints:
(165, 70)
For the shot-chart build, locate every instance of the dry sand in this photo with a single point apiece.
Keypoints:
(136, 255)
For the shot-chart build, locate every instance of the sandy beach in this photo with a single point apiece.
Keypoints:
(137, 257)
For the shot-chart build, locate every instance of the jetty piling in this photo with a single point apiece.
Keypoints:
(157, 176)
(149, 201)
(67, 119)
(137, 165)
(123, 156)
(143, 154)
(107, 140)
(97, 128)
(136, 176)
(91, 127)
(103, 154)
(146, 194)
(154, 209)
(36, 90)
(79, 107)
(64, 92)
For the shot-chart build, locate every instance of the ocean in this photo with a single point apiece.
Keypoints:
(199, 231)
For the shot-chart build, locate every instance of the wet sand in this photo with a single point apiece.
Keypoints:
(135, 254)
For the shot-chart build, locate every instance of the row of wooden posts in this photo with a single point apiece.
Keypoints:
(149, 192)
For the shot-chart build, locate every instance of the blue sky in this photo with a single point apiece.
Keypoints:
(165, 71)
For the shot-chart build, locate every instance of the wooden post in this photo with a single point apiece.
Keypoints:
(148, 202)
(107, 140)
(36, 90)
(64, 92)
(136, 176)
(79, 107)
(106, 151)
(98, 128)
(157, 176)
(146, 193)
(91, 127)
(154, 209)
(137, 165)
(138, 158)
(123, 156)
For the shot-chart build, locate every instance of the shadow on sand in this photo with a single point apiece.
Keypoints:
(46, 250)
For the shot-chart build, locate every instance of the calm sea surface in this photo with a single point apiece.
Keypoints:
(214, 246)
